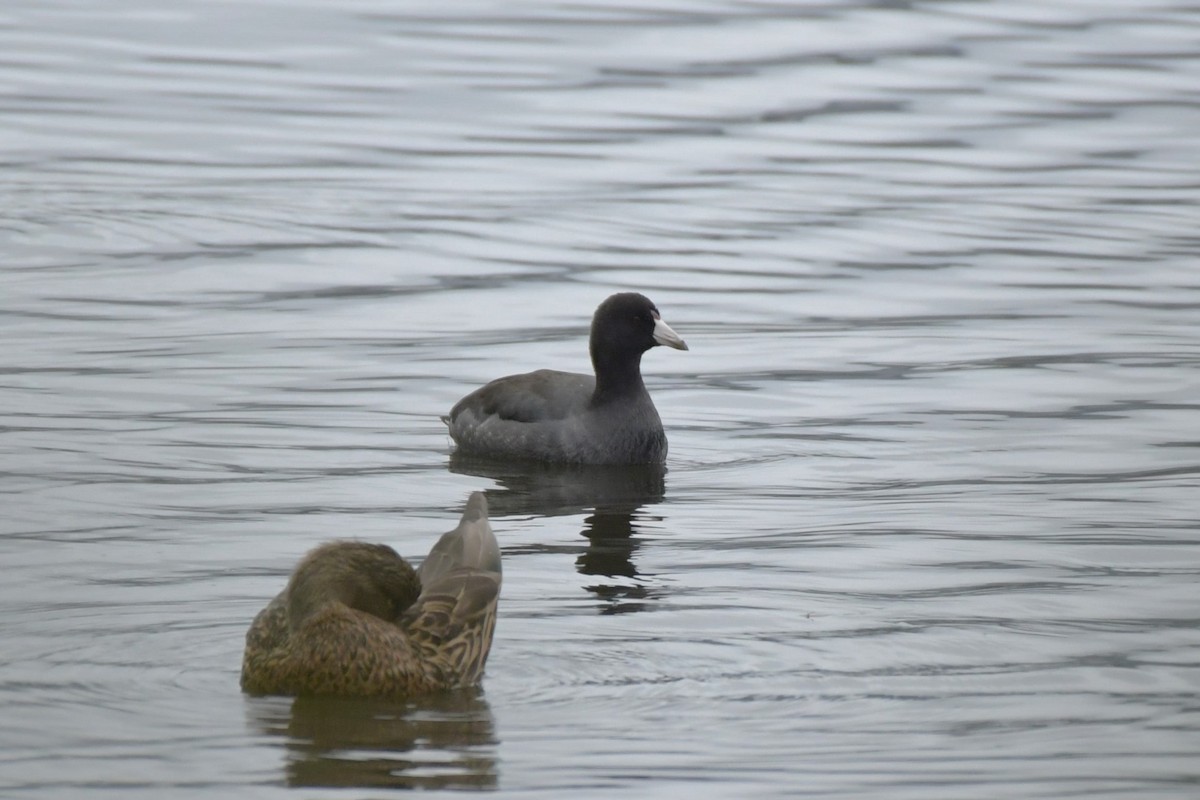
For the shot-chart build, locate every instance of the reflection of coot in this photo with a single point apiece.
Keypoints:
(611, 545)
(614, 494)
(436, 742)
(552, 490)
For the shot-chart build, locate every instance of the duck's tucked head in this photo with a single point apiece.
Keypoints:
(629, 323)
(368, 577)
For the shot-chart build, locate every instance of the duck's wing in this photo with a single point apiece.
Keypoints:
(452, 624)
(539, 396)
(453, 619)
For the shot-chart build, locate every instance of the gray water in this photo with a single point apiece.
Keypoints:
(930, 526)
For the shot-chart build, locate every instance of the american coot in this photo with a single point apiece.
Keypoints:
(567, 417)
(357, 620)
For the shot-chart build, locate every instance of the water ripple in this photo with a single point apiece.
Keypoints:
(928, 523)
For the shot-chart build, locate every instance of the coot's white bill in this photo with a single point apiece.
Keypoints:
(664, 335)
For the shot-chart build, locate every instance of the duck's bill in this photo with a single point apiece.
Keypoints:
(664, 335)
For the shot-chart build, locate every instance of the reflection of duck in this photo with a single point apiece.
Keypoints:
(571, 418)
(441, 741)
(615, 495)
(357, 620)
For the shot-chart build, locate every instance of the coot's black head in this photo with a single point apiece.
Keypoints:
(628, 324)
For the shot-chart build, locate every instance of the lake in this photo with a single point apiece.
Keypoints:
(930, 522)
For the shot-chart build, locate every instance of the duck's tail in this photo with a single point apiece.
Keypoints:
(471, 545)
(460, 587)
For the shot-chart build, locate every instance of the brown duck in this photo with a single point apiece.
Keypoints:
(357, 620)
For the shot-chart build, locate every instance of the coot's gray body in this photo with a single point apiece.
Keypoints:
(569, 417)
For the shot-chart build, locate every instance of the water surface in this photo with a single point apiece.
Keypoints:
(929, 524)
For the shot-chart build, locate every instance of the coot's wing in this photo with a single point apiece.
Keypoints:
(539, 396)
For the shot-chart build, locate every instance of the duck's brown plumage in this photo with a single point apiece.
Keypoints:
(356, 620)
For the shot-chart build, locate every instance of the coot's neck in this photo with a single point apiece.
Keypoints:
(618, 375)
